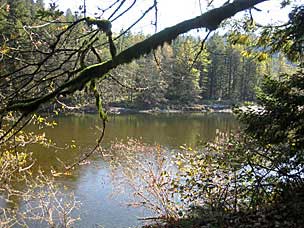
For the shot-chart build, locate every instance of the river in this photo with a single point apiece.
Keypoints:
(92, 183)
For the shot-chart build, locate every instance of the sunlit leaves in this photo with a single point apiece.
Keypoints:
(238, 38)
(43, 121)
(287, 38)
(73, 144)
(4, 49)
(40, 119)
(262, 56)
(8, 156)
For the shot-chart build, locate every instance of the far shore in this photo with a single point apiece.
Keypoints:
(117, 110)
(192, 109)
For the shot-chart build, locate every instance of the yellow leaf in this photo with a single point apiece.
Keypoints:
(242, 39)
(262, 56)
(4, 49)
(40, 119)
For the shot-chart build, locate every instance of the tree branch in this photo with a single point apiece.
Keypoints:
(210, 20)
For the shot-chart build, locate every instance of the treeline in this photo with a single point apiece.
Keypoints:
(180, 73)
(176, 74)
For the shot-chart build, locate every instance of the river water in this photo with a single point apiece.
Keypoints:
(92, 183)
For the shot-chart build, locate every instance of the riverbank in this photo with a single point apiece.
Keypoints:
(117, 110)
(284, 210)
(196, 108)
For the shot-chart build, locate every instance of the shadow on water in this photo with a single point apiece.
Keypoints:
(92, 182)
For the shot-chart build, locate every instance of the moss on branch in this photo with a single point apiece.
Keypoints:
(210, 20)
(104, 25)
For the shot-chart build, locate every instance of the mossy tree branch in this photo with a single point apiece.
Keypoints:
(210, 20)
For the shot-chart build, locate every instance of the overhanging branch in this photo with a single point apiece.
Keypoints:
(210, 20)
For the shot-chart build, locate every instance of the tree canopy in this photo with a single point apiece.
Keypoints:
(48, 58)
(76, 79)
(48, 55)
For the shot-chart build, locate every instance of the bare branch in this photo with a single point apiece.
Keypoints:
(210, 20)
(88, 154)
(201, 49)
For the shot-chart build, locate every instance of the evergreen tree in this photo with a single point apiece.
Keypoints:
(69, 15)
(182, 77)
(216, 71)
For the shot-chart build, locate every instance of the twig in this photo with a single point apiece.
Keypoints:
(12, 127)
(87, 155)
(125, 86)
(109, 7)
(151, 218)
(133, 3)
(115, 11)
(66, 106)
(201, 49)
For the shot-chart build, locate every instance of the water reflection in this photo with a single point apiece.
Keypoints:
(91, 183)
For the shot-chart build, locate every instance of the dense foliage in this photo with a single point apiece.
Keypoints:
(51, 61)
(254, 178)
(40, 57)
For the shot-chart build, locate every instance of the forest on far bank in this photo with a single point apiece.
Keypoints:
(54, 61)
(174, 75)
(183, 73)
(180, 74)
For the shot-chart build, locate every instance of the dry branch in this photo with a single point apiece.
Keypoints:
(210, 20)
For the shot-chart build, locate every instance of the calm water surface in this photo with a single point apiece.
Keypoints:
(92, 183)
